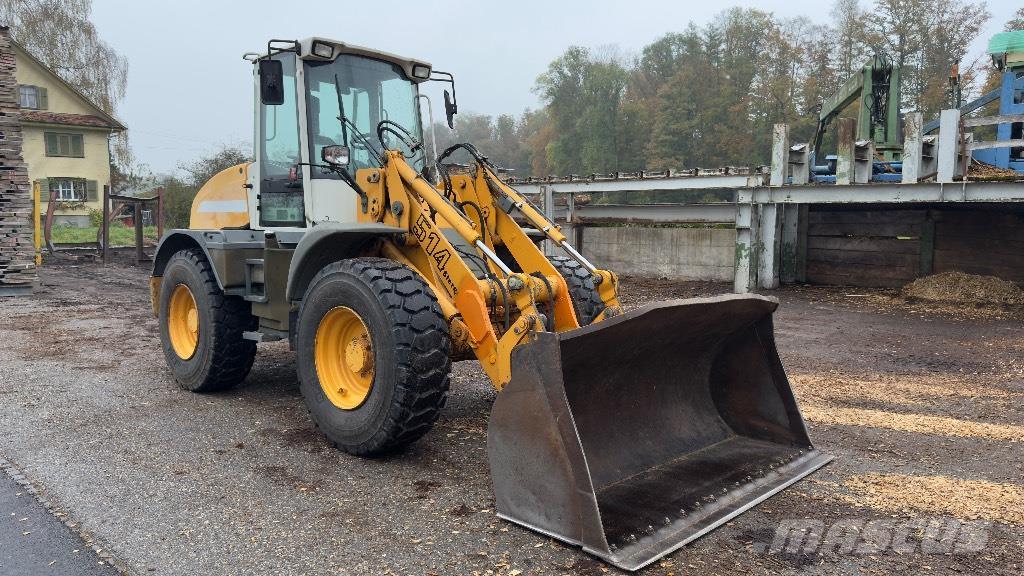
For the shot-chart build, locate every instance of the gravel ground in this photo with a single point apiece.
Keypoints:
(921, 407)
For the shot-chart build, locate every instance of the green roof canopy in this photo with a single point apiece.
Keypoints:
(1006, 42)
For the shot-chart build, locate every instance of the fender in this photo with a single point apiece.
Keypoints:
(329, 242)
(214, 244)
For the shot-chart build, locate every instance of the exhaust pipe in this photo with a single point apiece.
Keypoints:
(636, 435)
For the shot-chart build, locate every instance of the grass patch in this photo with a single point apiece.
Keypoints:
(119, 235)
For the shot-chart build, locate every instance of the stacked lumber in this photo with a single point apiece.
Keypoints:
(17, 250)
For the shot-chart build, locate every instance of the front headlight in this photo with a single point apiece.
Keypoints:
(420, 71)
(323, 50)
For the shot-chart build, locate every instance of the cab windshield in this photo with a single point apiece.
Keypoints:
(371, 91)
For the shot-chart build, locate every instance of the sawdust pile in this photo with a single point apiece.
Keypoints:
(937, 425)
(964, 499)
(960, 288)
(982, 171)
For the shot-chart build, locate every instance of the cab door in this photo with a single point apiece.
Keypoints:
(277, 178)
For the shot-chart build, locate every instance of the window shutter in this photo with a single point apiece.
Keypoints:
(77, 146)
(91, 191)
(42, 102)
(44, 190)
(52, 144)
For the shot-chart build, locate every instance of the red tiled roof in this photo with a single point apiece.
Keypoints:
(87, 120)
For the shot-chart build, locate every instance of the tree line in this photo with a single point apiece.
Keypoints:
(707, 96)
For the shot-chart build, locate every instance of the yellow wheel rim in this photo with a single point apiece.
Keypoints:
(344, 358)
(183, 322)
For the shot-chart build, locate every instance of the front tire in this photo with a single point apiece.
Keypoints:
(201, 328)
(373, 355)
(586, 300)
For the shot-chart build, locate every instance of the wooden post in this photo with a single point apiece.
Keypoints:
(139, 254)
(36, 222)
(106, 224)
(50, 207)
(159, 213)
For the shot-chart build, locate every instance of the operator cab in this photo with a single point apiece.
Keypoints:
(314, 93)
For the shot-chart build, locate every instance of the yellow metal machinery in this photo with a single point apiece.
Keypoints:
(222, 201)
(628, 433)
(463, 297)
(37, 233)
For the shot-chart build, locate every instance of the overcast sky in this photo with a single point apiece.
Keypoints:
(189, 90)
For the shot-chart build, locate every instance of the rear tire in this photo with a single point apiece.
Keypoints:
(586, 300)
(409, 345)
(221, 357)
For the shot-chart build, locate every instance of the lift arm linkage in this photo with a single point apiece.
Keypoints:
(492, 303)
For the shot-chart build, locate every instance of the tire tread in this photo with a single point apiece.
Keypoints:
(233, 355)
(422, 348)
(586, 300)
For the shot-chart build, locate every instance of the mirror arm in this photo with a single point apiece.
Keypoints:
(343, 172)
(451, 106)
(447, 77)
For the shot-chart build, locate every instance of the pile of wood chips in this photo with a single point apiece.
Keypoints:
(961, 288)
(982, 171)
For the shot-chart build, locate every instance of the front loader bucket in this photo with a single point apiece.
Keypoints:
(636, 435)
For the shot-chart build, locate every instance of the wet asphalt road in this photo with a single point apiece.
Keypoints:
(33, 541)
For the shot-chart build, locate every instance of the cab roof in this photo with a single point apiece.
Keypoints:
(306, 52)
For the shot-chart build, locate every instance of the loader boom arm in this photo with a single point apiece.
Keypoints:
(492, 303)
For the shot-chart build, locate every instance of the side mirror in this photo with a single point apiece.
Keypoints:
(271, 82)
(450, 109)
(335, 155)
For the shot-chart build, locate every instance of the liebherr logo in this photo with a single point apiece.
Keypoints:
(430, 239)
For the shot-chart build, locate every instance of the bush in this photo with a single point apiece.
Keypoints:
(95, 217)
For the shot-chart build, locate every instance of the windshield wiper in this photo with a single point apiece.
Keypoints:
(346, 124)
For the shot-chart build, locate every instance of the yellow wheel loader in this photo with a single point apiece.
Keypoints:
(626, 433)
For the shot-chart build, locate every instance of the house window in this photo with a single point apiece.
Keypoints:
(29, 96)
(32, 97)
(58, 144)
(68, 189)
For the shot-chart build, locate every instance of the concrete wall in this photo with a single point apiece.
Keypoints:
(678, 253)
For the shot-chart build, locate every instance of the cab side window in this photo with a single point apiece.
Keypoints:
(281, 198)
